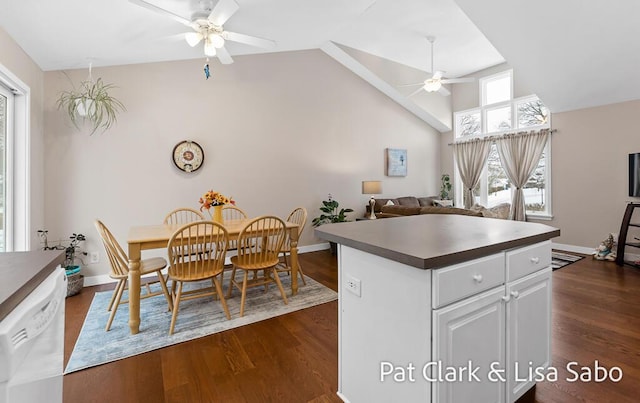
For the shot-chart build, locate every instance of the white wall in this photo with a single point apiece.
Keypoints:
(278, 131)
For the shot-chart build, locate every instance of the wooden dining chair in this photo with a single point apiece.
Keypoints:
(118, 260)
(259, 243)
(297, 216)
(210, 241)
(231, 212)
(183, 215)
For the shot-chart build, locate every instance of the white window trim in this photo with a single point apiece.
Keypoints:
(18, 219)
(493, 77)
(548, 215)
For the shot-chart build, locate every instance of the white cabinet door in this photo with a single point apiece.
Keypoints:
(471, 334)
(528, 330)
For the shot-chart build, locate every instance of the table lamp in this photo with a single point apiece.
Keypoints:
(371, 188)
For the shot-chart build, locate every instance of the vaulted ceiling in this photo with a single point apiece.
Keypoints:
(572, 53)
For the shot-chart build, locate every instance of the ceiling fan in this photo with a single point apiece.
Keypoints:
(207, 26)
(434, 83)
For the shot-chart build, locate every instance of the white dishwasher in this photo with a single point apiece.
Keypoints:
(32, 344)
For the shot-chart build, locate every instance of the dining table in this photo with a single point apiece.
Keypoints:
(146, 237)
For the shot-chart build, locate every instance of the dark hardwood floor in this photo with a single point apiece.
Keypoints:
(293, 358)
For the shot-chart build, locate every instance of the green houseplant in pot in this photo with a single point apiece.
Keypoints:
(75, 280)
(92, 103)
(73, 254)
(445, 188)
(331, 213)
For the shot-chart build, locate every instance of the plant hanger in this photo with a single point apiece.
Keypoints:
(91, 102)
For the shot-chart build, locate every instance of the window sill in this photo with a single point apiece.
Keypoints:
(541, 217)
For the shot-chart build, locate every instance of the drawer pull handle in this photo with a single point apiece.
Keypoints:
(506, 298)
(515, 294)
(535, 260)
(477, 278)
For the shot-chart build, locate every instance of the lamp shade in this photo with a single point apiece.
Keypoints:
(216, 40)
(193, 38)
(209, 49)
(371, 187)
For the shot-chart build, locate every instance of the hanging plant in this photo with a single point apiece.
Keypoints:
(91, 102)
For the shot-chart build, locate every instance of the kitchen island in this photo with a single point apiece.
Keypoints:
(32, 305)
(442, 308)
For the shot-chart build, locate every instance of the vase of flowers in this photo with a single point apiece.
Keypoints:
(215, 200)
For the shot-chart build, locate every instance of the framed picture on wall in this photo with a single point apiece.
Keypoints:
(396, 162)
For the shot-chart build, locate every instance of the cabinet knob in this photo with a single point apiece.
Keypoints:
(477, 278)
(506, 298)
(535, 260)
(515, 294)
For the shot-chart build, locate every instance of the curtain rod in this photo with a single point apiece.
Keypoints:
(497, 136)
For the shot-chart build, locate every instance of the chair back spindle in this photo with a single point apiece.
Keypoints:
(183, 215)
(260, 241)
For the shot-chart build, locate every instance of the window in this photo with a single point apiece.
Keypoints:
(6, 98)
(499, 113)
(14, 163)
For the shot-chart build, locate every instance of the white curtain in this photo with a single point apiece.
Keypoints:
(470, 157)
(519, 155)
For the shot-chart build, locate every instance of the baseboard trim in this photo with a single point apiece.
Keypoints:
(572, 248)
(105, 279)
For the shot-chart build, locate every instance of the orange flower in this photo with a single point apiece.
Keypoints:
(211, 198)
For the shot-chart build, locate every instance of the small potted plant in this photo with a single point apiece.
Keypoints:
(445, 188)
(75, 280)
(331, 214)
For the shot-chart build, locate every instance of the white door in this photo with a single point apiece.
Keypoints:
(528, 331)
(470, 334)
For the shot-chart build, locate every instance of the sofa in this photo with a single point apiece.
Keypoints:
(411, 205)
(407, 201)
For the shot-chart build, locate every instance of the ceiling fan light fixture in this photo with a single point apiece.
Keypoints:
(193, 38)
(209, 49)
(432, 85)
(216, 40)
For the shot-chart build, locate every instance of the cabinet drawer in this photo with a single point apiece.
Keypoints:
(456, 282)
(524, 261)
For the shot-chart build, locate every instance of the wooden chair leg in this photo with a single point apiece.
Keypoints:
(222, 300)
(114, 309)
(304, 282)
(232, 282)
(115, 292)
(277, 279)
(301, 273)
(244, 292)
(165, 291)
(176, 305)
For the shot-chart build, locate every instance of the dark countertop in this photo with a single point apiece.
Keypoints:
(430, 241)
(21, 273)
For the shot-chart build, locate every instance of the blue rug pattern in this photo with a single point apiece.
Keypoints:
(196, 318)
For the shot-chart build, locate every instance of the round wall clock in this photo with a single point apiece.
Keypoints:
(188, 155)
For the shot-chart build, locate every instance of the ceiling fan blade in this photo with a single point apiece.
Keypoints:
(410, 85)
(157, 9)
(249, 40)
(415, 92)
(444, 92)
(222, 11)
(457, 80)
(224, 56)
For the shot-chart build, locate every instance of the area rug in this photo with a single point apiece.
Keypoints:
(196, 318)
(561, 259)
